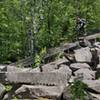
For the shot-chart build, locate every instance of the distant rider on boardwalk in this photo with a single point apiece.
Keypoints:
(81, 32)
(81, 27)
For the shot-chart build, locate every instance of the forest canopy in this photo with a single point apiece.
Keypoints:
(28, 26)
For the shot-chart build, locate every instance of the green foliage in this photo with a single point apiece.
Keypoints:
(8, 88)
(98, 39)
(78, 90)
(10, 30)
(39, 57)
(59, 55)
(15, 98)
(51, 22)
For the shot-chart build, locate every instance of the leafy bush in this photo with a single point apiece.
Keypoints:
(8, 88)
(39, 57)
(50, 21)
(78, 90)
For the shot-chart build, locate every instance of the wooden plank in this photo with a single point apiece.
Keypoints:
(24, 62)
(61, 49)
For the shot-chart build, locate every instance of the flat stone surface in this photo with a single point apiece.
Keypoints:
(76, 66)
(65, 70)
(54, 65)
(85, 74)
(83, 55)
(30, 92)
(94, 36)
(34, 70)
(93, 84)
(51, 78)
(49, 67)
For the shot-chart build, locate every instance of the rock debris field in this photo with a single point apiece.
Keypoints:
(78, 62)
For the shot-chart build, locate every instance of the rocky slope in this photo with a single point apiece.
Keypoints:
(79, 62)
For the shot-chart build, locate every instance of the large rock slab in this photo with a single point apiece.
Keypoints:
(32, 92)
(93, 85)
(49, 67)
(85, 74)
(43, 78)
(65, 70)
(83, 55)
(94, 36)
(54, 65)
(76, 66)
(67, 95)
(2, 89)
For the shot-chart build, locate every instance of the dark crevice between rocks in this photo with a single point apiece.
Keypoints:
(61, 98)
(92, 91)
(70, 59)
(65, 63)
(2, 96)
(11, 92)
(94, 60)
